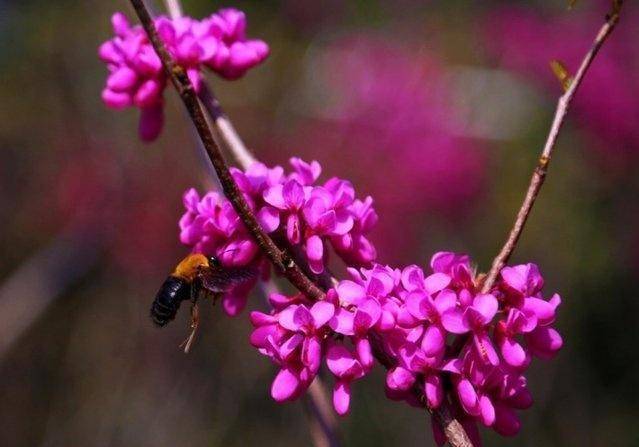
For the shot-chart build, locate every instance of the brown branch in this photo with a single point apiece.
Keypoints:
(454, 431)
(229, 138)
(539, 173)
(280, 259)
(282, 262)
(323, 423)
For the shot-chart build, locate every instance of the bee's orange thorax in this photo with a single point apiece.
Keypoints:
(189, 266)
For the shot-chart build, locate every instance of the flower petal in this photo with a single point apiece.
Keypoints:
(274, 196)
(436, 282)
(269, 218)
(417, 303)
(366, 315)
(350, 292)
(486, 304)
(364, 352)
(290, 345)
(342, 321)
(468, 397)
(544, 310)
(433, 342)
(341, 363)
(293, 195)
(342, 397)
(293, 232)
(487, 411)
(506, 421)
(287, 319)
(445, 300)
(322, 312)
(544, 342)
(400, 379)
(285, 385)
(515, 278)
(434, 390)
(485, 348)
(312, 354)
(453, 321)
(314, 248)
(512, 352)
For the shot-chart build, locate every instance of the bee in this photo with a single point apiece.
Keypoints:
(194, 275)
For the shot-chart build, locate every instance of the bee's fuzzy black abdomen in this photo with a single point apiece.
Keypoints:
(168, 300)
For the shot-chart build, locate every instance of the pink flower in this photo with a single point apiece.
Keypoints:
(412, 358)
(521, 281)
(293, 340)
(506, 332)
(230, 53)
(490, 393)
(528, 314)
(346, 368)
(544, 342)
(307, 324)
(288, 199)
(325, 214)
(475, 318)
(357, 325)
(315, 217)
(136, 76)
(427, 309)
(257, 178)
(305, 173)
(456, 266)
(416, 320)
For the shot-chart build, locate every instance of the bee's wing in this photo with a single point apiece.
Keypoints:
(221, 279)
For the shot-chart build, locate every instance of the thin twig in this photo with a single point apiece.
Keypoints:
(539, 173)
(281, 260)
(230, 140)
(174, 7)
(322, 419)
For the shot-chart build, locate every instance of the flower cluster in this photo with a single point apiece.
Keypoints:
(136, 77)
(440, 336)
(430, 326)
(309, 215)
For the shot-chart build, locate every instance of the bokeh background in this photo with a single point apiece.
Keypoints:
(436, 108)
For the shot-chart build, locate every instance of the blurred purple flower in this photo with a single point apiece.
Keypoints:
(609, 95)
(389, 105)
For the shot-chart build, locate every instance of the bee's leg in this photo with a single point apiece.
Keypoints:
(195, 319)
(215, 296)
